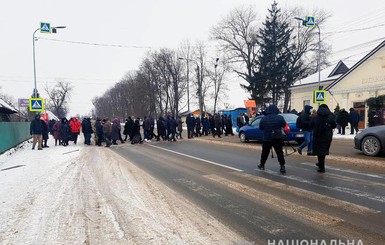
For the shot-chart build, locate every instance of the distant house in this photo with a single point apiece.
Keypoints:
(348, 88)
(302, 90)
(6, 111)
(364, 80)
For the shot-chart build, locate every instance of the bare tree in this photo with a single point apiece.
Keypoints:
(58, 97)
(185, 54)
(221, 67)
(202, 84)
(170, 70)
(237, 34)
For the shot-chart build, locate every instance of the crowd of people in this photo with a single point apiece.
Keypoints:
(316, 125)
(135, 130)
(344, 118)
(62, 131)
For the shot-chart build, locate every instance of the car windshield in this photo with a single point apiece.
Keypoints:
(289, 117)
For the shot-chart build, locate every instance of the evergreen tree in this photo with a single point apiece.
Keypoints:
(273, 61)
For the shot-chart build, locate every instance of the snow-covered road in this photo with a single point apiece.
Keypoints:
(89, 195)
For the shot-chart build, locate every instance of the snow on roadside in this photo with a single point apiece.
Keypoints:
(86, 194)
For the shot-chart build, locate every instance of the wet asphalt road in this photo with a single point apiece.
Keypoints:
(345, 203)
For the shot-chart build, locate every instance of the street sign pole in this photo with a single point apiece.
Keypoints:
(44, 28)
(34, 64)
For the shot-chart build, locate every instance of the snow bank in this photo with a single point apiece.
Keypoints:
(87, 194)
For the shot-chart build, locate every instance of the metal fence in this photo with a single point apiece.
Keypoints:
(12, 134)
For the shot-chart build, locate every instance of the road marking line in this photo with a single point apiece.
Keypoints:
(259, 219)
(197, 158)
(333, 188)
(329, 201)
(349, 171)
(294, 209)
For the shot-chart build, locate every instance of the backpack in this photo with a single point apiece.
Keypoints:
(298, 123)
(276, 134)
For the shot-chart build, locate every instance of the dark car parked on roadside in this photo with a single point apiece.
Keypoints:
(252, 131)
(371, 141)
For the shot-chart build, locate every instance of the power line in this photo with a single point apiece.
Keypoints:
(362, 19)
(116, 45)
(358, 29)
(96, 44)
(360, 45)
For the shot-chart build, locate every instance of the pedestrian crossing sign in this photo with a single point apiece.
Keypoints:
(45, 27)
(319, 96)
(36, 104)
(310, 21)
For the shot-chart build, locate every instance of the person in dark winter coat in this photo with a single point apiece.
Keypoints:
(372, 115)
(36, 130)
(87, 130)
(218, 125)
(323, 125)
(198, 127)
(190, 121)
(45, 133)
(167, 126)
(161, 129)
(354, 119)
(206, 125)
(128, 128)
(172, 128)
(115, 131)
(107, 129)
(246, 118)
(272, 125)
(212, 124)
(307, 130)
(152, 128)
(240, 121)
(229, 126)
(343, 119)
(179, 122)
(137, 137)
(65, 131)
(50, 126)
(223, 123)
(100, 134)
(146, 128)
(57, 132)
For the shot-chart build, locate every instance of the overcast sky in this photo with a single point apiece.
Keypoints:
(141, 26)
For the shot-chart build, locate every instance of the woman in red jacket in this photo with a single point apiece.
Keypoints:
(75, 128)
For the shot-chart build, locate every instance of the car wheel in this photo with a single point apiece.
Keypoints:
(371, 146)
(242, 137)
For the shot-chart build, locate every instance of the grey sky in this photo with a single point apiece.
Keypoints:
(139, 25)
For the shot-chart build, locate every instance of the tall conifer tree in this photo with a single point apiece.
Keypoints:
(273, 62)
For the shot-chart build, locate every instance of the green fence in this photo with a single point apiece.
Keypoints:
(12, 134)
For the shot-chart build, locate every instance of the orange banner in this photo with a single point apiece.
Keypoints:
(250, 103)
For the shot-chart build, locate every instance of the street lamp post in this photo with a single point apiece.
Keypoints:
(188, 80)
(319, 50)
(34, 64)
(215, 83)
(188, 85)
(35, 92)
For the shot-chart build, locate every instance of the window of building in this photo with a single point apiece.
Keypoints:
(306, 102)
